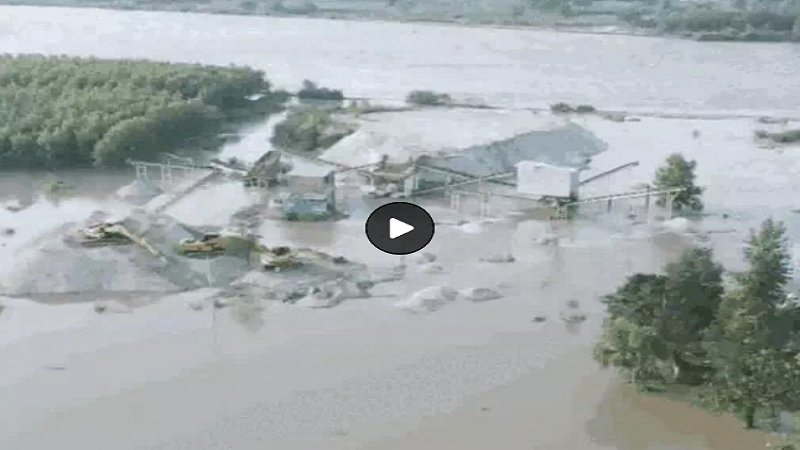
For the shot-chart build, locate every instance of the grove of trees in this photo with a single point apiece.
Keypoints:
(302, 130)
(66, 111)
(734, 346)
(309, 129)
(310, 91)
(428, 98)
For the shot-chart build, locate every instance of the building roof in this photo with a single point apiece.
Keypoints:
(307, 168)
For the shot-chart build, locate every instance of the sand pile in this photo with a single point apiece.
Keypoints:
(331, 294)
(433, 298)
(55, 268)
(429, 299)
(677, 225)
(479, 294)
(404, 135)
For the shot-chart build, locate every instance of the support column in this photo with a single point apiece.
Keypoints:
(670, 199)
(169, 172)
(455, 201)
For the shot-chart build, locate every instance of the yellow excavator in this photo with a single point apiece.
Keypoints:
(279, 258)
(207, 244)
(104, 233)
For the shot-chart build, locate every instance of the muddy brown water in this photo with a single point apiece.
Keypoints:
(365, 375)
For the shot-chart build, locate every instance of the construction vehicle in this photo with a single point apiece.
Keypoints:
(207, 244)
(279, 258)
(102, 234)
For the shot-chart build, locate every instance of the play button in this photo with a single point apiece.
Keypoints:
(400, 228)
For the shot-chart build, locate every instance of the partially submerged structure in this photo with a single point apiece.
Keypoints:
(305, 189)
(558, 152)
(545, 180)
(265, 171)
(310, 190)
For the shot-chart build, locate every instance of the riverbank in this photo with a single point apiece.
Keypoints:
(506, 16)
(655, 74)
(553, 24)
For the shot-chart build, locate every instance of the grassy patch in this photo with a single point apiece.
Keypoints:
(782, 137)
(309, 129)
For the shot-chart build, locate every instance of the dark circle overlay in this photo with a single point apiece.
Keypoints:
(377, 228)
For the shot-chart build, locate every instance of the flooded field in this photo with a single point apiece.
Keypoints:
(171, 370)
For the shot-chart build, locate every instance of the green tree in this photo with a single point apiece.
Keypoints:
(630, 333)
(657, 322)
(751, 343)
(677, 172)
(693, 293)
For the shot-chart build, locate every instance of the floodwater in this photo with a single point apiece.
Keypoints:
(387, 60)
(255, 141)
(365, 374)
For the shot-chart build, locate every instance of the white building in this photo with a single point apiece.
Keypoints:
(540, 179)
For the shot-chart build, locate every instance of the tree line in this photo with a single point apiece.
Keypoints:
(729, 343)
(733, 345)
(66, 111)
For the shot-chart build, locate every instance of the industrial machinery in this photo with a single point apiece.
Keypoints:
(207, 244)
(279, 258)
(103, 234)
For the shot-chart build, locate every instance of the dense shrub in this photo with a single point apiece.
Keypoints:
(782, 137)
(566, 108)
(428, 98)
(562, 108)
(311, 91)
(301, 130)
(700, 20)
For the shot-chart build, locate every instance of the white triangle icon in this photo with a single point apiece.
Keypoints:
(398, 228)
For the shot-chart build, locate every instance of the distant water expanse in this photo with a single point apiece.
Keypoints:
(509, 67)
